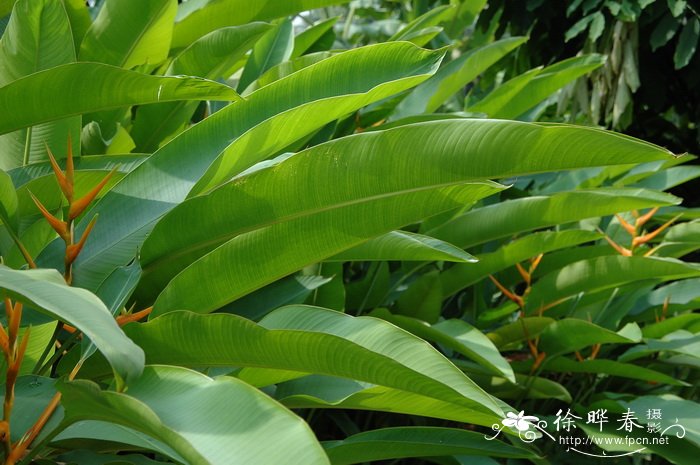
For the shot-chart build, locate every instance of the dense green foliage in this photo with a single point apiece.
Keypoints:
(323, 232)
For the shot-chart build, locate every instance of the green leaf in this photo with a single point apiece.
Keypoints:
(687, 43)
(363, 348)
(609, 367)
(318, 391)
(457, 335)
(677, 7)
(288, 67)
(127, 33)
(520, 330)
(209, 57)
(304, 41)
(34, 238)
(198, 17)
(304, 101)
(460, 277)
(80, 20)
(32, 395)
(191, 412)
(39, 337)
(664, 31)
(423, 36)
(79, 88)
(571, 334)
(597, 26)
(405, 442)
(46, 291)
(423, 172)
(272, 49)
(431, 18)
(422, 300)
(669, 178)
(674, 410)
(8, 201)
(580, 26)
(514, 216)
(537, 88)
(85, 457)
(407, 246)
(604, 273)
(38, 37)
(526, 387)
(105, 163)
(498, 99)
(678, 342)
(101, 435)
(286, 291)
(449, 79)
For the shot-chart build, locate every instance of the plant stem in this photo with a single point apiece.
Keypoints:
(31, 434)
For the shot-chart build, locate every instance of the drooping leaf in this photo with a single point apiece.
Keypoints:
(407, 246)
(305, 40)
(537, 87)
(192, 413)
(198, 17)
(47, 292)
(514, 216)
(604, 273)
(404, 442)
(428, 96)
(78, 88)
(457, 335)
(407, 173)
(329, 392)
(432, 17)
(209, 57)
(571, 334)
(459, 277)
(290, 339)
(300, 104)
(610, 367)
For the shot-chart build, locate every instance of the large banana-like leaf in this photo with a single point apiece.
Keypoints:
(457, 335)
(428, 97)
(272, 49)
(205, 421)
(269, 120)
(399, 176)
(313, 340)
(306, 39)
(47, 292)
(514, 216)
(394, 443)
(404, 245)
(198, 17)
(319, 391)
(127, 33)
(37, 38)
(80, 88)
(459, 277)
(209, 58)
(515, 98)
(604, 273)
